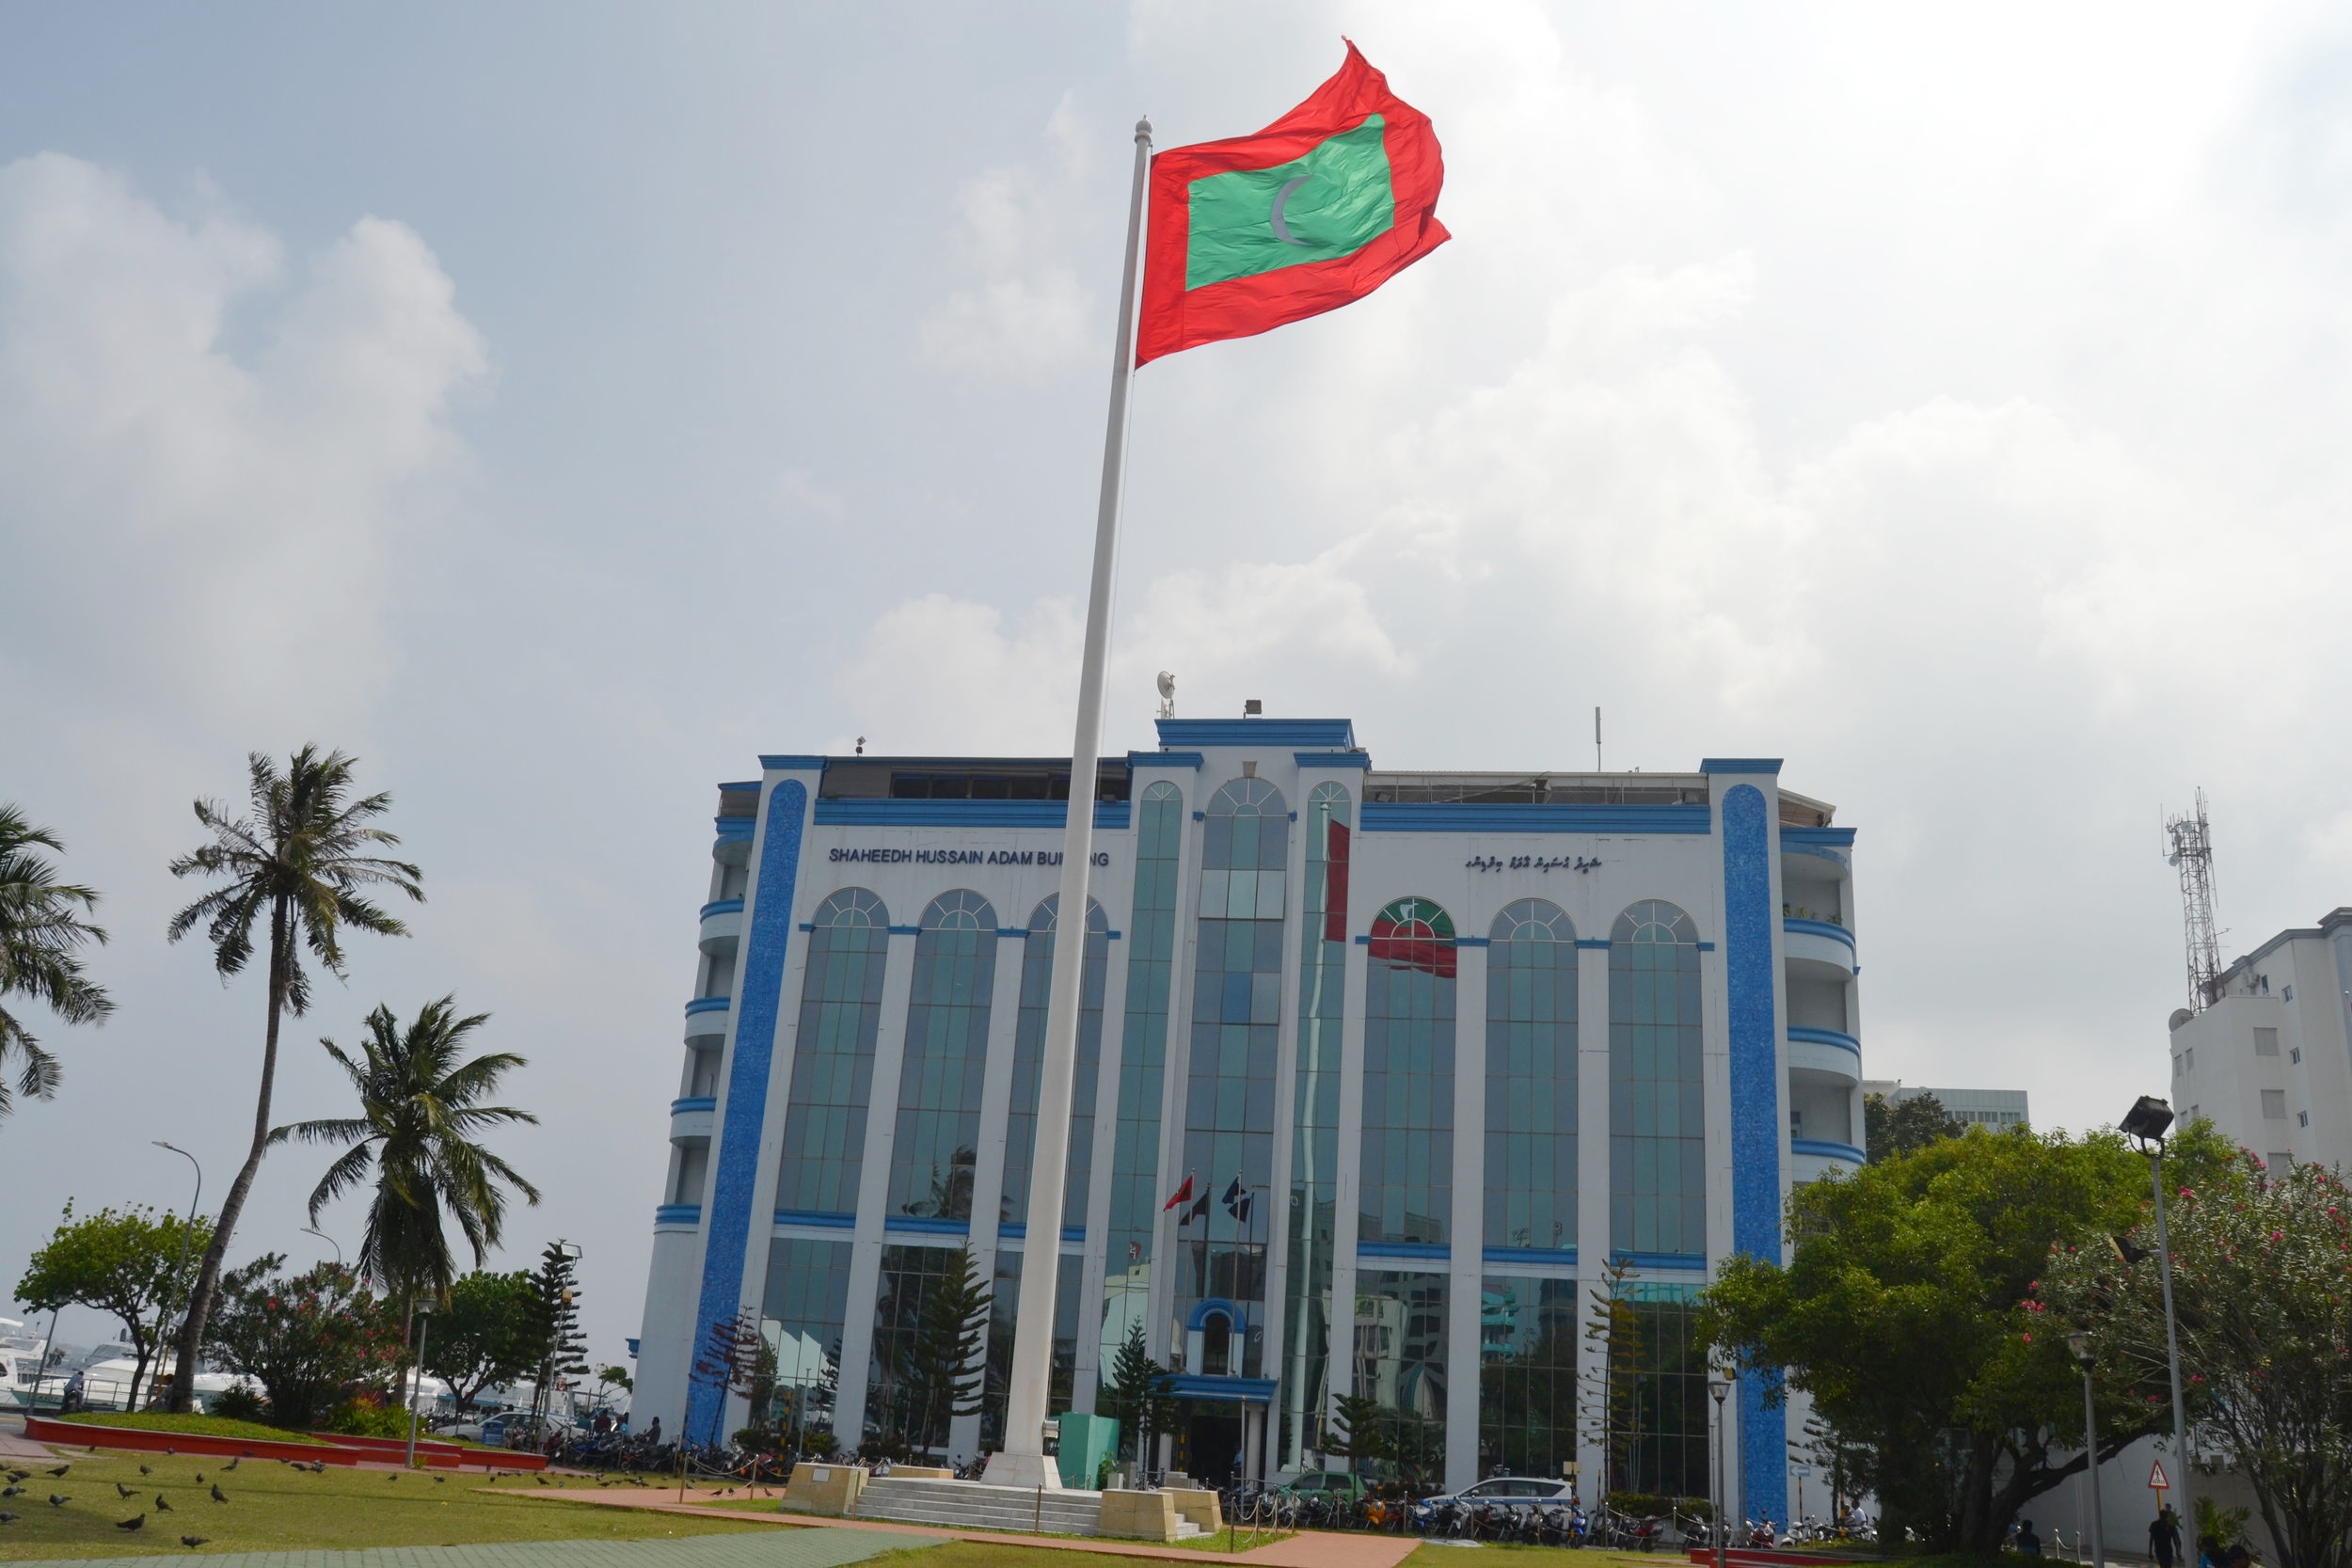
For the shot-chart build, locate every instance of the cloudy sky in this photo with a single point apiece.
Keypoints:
(557, 406)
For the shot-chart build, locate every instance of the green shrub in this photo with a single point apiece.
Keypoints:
(242, 1403)
(367, 1418)
(1643, 1504)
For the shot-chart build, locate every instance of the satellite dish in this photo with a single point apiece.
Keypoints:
(1167, 687)
(2181, 1016)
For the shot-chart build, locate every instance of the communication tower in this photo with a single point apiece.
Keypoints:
(2189, 849)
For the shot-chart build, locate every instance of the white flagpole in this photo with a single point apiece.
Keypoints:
(1023, 1462)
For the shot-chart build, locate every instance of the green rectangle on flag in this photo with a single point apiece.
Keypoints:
(1331, 202)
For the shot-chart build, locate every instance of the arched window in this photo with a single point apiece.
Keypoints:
(833, 1054)
(946, 1056)
(1408, 1188)
(1029, 1056)
(1657, 1107)
(1236, 1029)
(1531, 1078)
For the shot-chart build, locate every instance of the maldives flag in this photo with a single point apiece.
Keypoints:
(1316, 211)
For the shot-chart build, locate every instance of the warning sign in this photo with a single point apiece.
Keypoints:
(2156, 1481)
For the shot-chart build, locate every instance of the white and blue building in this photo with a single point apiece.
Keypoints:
(1435, 1051)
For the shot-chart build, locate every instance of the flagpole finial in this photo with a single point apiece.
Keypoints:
(1143, 131)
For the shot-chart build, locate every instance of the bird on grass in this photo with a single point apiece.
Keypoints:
(18, 1474)
(233, 1464)
(541, 1480)
(173, 1453)
(194, 1540)
(199, 1477)
(219, 1496)
(163, 1504)
(11, 1490)
(56, 1501)
(61, 1469)
(440, 1480)
(144, 1470)
(121, 1490)
(136, 1521)
(9, 1518)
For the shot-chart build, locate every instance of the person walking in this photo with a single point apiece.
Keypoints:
(2027, 1542)
(2164, 1536)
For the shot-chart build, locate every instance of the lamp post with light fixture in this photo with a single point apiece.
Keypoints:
(2078, 1346)
(1720, 1387)
(2147, 1121)
(425, 1325)
(180, 1270)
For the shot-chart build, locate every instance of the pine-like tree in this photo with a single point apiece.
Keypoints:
(555, 1327)
(947, 1370)
(1136, 1396)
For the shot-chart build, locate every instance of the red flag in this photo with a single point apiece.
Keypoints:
(1313, 213)
(1183, 1194)
(1335, 884)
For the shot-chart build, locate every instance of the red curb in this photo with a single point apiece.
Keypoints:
(338, 1450)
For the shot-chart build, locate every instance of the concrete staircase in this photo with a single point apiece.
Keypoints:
(971, 1505)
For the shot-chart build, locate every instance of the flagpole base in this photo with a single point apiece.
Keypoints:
(1024, 1469)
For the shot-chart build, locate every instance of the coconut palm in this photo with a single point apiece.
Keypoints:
(420, 1104)
(41, 933)
(300, 861)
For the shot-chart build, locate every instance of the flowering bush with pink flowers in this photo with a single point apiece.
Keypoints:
(312, 1341)
(2262, 1283)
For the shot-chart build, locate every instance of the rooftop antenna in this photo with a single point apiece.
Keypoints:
(1252, 709)
(1596, 766)
(861, 745)
(2189, 847)
(1167, 695)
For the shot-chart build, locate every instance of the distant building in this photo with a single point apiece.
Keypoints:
(1983, 1107)
(2269, 1064)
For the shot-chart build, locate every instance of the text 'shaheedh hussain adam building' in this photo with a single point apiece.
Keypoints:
(1462, 1038)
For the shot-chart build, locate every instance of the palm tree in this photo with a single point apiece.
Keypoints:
(42, 932)
(421, 1106)
(299, 859)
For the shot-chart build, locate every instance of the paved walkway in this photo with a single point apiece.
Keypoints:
(790, 1548)
(1306, 1549)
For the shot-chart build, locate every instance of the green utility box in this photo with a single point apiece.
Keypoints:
(1087, 1443)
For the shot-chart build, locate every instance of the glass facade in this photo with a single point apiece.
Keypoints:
(1028, 1054)
(947, 1052)
(1408, 1166)
(1236, 1031)
(1316, 1126)
(1400, 1364)
(833, 1060)
(1527, 1335)
(908, 1274)
(801, 1313)
(1658, 1392)
(1531, 1079)
(1134, 1197)
(1656, 1117)
(1003, 1306)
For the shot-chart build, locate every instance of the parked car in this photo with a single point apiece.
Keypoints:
(1508, 1491)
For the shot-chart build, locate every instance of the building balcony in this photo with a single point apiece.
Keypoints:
(1810, 1159)
(678, 1216)
(706, 1016)
(1817, 950)
(722, 926)
(1824, 1053)
(691, 1117)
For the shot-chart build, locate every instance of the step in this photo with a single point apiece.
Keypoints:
(974, 1505)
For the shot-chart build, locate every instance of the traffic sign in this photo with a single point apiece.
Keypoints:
(2155, 1478)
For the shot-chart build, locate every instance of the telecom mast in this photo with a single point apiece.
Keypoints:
(2190, 848)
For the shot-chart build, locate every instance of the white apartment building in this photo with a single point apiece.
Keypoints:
(1993, 1108)
(2269, 1064)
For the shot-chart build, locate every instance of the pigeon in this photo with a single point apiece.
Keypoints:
(11, 1491)
(172, 1452)
(61, 1469)
(19, 1474)
(199, 1477)
(56, 1501)
(194, 1540)
(542, 1479)
(233, 1464)
(147, 1469)
(318, 1467)
(136, 1521)
(440, 1480)
(219, 1496)
(163, 1504)
(121, 1490)
(7, 1518)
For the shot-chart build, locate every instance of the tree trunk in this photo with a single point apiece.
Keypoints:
(208, 1276)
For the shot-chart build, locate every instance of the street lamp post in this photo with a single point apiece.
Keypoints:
(187, 1223)
(424, 1324)
(314, 1230)
(2147, 1121)
(2078, 1346)
(1720, 1385)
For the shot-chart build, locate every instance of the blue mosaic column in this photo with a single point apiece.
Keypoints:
(759, 985)
(1754, 1117)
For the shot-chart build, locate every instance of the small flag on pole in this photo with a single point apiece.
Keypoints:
(1237, 1201)
(1313, 213)
(1183, 1195)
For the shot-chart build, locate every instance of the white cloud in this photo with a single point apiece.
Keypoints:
(212, 529)
(1018, 308)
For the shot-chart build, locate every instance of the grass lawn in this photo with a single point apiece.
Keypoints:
(274, 1507)
(203, 1426)
(976, 1554)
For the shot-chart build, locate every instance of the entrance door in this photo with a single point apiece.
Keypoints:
(1213, 1445)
